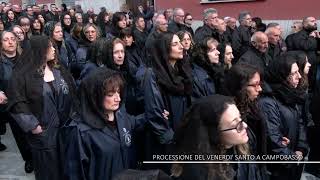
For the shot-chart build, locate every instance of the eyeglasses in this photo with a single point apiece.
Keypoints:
(256, 85)
(189, 19)
(239, 127)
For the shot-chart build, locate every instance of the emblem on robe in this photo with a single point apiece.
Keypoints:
(127, 137)
(64, 87)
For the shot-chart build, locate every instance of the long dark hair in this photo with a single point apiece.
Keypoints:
(200, 126)
(116, 17)
(32, 28)
(236, 82)
(97, 51)
(301, 57)
(35, 56)
(176, 80)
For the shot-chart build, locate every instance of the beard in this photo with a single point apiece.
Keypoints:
(312, 28)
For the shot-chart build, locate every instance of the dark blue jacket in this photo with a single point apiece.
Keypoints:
(202, 84)
(283, 121)
(6, 66)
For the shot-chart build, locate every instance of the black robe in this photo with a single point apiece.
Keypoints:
(94, 148)
(55, 99)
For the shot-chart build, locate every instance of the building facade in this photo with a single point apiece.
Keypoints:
(281, 11)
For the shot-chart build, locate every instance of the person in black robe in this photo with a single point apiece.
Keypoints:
(42, 97)
(99, 140)
(167, 86)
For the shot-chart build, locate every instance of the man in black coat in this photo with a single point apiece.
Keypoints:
(241, 36)
(307, 40)
(273, 34)
(210, 17)
(220, 34)
(231, 26)
(178, 21)
(257, 53)
(139, 33)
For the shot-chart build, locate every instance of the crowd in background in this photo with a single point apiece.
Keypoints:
(92, 96)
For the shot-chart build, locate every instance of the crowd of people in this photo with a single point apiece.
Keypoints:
(92, 96)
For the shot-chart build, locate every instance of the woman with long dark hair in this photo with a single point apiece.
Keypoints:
(42, 98)
(55, 32)
(167, 86)
(207, 72)
(104, 22)
(36, 27)
(212, 126)
(134, 55)
(282, 115)
(118, 23)
(66, 24)
(10, 19)
(226, 55)
(243, 82)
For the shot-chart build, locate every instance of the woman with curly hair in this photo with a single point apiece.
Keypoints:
(211, 126)
(243, 82)
(207, 71)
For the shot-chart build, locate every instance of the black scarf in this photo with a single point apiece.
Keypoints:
(288, 95)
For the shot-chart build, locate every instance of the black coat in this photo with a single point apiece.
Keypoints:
(229, 33)
(241, 38)
(203, 32)
(174, 27)
(257, 59)
(140, 38)
(283, 120)
(274, 51)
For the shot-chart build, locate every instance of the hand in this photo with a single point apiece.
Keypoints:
(300, 154)
(3, 98)
(37, 130)
(165, 114)
(313, 34)
(285, 141)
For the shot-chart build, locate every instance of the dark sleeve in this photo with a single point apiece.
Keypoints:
(302, 144)
(154, 107)
(76, 159)
(139, 122)
(236, 43)
(306, 43)
(19, 106)
(271, 114)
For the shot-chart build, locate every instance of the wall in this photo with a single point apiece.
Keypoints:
(266, 9)
(111, 5)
